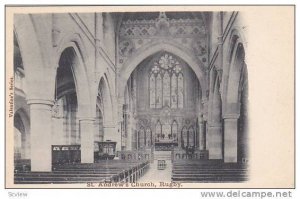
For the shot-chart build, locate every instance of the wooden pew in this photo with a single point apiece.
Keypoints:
(104, 171)
(208, 171)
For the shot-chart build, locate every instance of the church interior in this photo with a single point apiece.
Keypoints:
(130, 97)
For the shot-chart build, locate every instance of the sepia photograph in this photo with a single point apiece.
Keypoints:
(150, 97)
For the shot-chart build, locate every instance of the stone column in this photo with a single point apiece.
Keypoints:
(202, 135)
(215, 141)
(40, 135)
(129, 132)
(214, 136)
(86, 127)
(230, 138)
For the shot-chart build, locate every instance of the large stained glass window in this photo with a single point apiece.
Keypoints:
(166, 83)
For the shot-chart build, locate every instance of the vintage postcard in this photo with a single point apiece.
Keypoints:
(150, 97)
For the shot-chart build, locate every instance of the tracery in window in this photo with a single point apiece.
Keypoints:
(158, 98)
(166, 89)
(152, 90)
(180, 90)
(166, 83)
(174, 92)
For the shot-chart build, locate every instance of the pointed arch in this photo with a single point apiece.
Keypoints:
(75, 61)
(148, 50)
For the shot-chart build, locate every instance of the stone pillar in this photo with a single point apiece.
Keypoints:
(214, 136)
(40, 135)
(129, 132)
(202, 135)
(86, 127)
(230, 139)
(215, 141)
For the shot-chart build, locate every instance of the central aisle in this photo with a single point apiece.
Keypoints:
(155, 175)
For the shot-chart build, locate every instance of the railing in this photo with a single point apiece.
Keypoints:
(139, 155)
(178, 154)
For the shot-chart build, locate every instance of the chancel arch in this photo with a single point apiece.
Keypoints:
(149, 50)
(169, 97)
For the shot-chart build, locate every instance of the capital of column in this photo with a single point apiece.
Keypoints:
(231, 116)
(215, 125)
(87, 119)
(40, 102)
